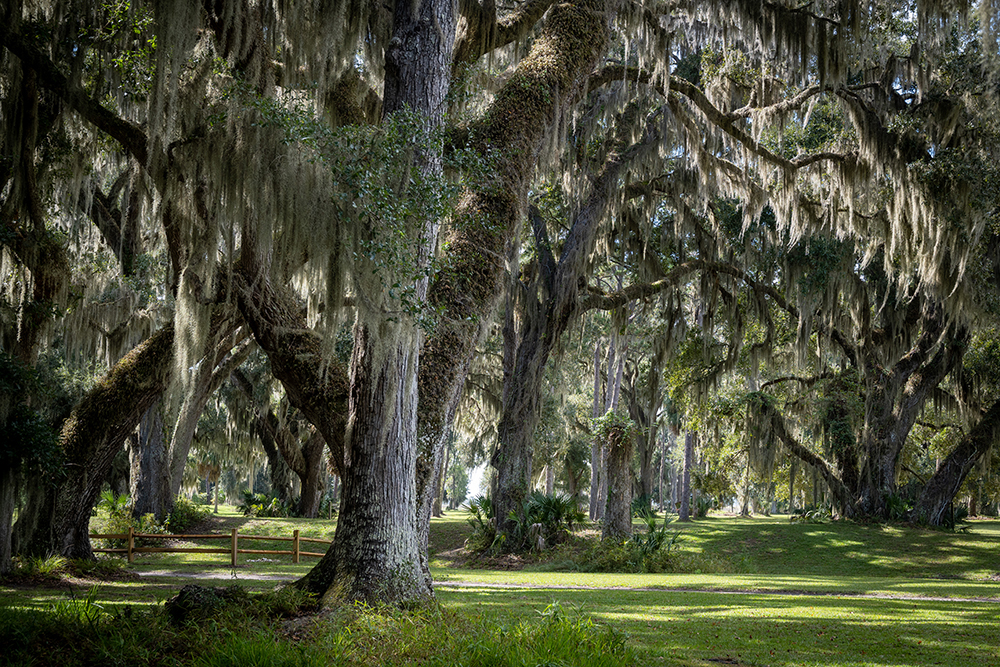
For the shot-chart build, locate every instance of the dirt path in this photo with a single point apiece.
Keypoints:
(226, 575)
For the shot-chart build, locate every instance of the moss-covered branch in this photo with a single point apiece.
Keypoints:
(96, 429)
(315, 384)
(484, 31)
(766, 410)
(510, 136)
(128, 134)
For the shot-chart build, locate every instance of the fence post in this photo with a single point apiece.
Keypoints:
(235, 539)
(295, 546)
(131, 543)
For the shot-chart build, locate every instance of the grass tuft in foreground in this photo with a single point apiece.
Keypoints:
(271, 629)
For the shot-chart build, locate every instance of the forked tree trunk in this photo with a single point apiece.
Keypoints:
(939, 492)
(895, 398)
(547, 308)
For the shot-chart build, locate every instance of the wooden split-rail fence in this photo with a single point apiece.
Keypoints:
(233, 550)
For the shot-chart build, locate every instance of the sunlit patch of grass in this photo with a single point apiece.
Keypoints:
(683, 628)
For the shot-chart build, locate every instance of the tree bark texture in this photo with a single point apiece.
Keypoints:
(374, 556)
(618, 513)
(149, 477)
(8, 500)
(596, 463)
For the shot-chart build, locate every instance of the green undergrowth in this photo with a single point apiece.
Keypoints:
(278, 628)
(54, 569)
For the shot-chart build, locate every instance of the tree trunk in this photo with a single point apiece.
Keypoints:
(149, 478)
(939, 492)
(380, 547)
(596, 462)
(8, 500)
(745, 508)
(438, 510)
(94, 434)
(685, 511)
(895, 398)
(661, 471)
(791, 484)
(314, 472)
(374, 556)
(618, 513)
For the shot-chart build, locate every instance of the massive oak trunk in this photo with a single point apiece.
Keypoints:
(379, 553)
(374, 556)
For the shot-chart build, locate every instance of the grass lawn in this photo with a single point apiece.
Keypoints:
(781, 593)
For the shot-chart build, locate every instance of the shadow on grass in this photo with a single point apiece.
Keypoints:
(774, 545)
(697, 628)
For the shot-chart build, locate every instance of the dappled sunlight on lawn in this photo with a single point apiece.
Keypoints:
(770, 629)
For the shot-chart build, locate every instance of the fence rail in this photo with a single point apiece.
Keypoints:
(233, 550)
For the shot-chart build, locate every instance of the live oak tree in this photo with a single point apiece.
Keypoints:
(292, 160)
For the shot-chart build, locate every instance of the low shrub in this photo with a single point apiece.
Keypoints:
(119, 520)
(33, 569)
(654, 550)
(263, 505)
(186, 514)
(484, 526)
(545, 521)
(816, 515)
